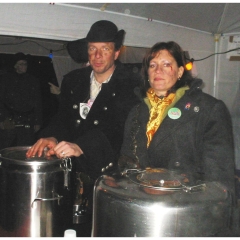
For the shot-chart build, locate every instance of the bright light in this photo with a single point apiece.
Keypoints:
(189, 66)
(50, 55)
(160, 215)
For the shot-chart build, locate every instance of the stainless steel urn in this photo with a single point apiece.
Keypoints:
(35, 194)
(158, 203)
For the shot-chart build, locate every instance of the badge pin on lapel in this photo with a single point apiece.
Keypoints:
(196, 109)
(187, 106)
(83, 110)
(174, 113)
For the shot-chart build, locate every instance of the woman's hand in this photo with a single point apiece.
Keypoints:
(67, 149)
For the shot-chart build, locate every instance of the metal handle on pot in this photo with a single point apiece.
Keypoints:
(67, 167)
(126, 172)
(195, 188)
(57, 197)
(0, 161)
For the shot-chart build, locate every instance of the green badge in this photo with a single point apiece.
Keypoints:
(174, 113)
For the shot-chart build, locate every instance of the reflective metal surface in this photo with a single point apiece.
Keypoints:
(34, 195)
(123, 207)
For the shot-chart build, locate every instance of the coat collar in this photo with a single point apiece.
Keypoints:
(189, 108)
(83, 77)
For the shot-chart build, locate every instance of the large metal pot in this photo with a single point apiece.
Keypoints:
(35, 194)
(158, 203)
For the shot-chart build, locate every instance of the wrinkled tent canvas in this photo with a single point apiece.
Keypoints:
(202, 29)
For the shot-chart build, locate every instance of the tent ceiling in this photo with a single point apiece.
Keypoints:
(208, 17)
(54, 24)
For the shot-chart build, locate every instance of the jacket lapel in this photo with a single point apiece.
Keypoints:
(81, 91)
(107, 92)
(188, 108)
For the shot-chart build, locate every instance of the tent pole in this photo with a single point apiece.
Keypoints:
(216, 39)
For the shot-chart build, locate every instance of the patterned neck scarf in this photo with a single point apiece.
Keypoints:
(156, 112)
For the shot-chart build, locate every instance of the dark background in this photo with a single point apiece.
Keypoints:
(42, 68)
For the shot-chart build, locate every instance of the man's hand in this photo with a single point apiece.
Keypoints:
(39, 146)
(54, 89)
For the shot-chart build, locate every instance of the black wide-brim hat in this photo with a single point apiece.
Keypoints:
(78, 50)
(100, 31)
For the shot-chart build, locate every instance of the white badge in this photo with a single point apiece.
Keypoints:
(84, 109)
(174, 113)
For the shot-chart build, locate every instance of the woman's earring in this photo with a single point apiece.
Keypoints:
(179, 78)
(148, 80)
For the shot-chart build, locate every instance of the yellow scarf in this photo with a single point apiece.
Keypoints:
(158, 107)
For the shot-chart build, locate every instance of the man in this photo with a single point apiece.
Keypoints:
(20, 105)
(106, 89)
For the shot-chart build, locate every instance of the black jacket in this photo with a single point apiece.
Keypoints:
(198, 143)
(20, 94)
(100, 134)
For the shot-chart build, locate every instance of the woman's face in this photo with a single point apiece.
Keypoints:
(163, 72)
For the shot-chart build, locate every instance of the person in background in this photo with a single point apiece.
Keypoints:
(106, 90)
(177, 126)
(57, 90)
(54, 89)
(20, 105)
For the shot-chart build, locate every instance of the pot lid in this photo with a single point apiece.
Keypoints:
(17, 155)
(158, 178)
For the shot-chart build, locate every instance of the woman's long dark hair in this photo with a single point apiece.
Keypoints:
(176, 51)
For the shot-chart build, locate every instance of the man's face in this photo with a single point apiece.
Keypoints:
(101, 56)
(21, 66)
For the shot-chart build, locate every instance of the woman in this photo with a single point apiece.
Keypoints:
(177, 126)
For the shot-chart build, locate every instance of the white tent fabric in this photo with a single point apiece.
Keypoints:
(64, 22)
(201, 29)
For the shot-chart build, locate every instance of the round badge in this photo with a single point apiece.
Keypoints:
(174, 113)
(84, 109)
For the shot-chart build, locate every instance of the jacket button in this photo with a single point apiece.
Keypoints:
(177, 164)
(105, 108)
(196, 109)
(103, 169)
(78, 121)
(107, 167)
(113, 94)
(95, 122)
(110, 164)
(75, 106)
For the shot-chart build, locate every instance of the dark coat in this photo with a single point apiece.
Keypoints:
(20, 109)
(100, 134)
(198, 143)
(20, 94)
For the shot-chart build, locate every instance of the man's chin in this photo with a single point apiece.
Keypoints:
(98, 69)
